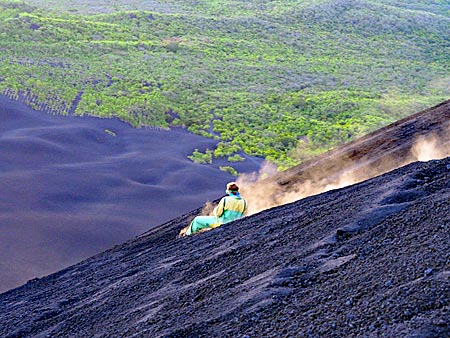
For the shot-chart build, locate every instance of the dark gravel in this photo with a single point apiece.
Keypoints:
(353, 262)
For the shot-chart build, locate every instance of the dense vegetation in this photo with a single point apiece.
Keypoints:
(284, 80)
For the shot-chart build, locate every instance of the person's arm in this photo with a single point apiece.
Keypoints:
(245, 208)
(218, 210)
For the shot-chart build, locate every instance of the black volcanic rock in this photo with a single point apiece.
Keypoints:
(368, 260)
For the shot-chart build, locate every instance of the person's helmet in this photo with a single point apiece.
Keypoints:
(232, 187)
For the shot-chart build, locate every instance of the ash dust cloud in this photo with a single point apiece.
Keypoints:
(430, 148)
(208, 209)
(258, 189)
(262, 191)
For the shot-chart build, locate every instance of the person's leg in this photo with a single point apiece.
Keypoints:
(183, 231)
(199, 223)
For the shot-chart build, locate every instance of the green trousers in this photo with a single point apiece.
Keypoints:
(201, 222)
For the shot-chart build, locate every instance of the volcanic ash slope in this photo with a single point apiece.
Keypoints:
(71, 187)
(368, 260)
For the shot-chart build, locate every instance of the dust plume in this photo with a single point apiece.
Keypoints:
(262, 190)
(208, 209)
(259, 196)
(430, 148)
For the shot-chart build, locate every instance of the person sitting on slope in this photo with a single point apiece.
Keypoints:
(230, 208)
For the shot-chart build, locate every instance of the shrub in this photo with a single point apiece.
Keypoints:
(229, 169)
(202, 158)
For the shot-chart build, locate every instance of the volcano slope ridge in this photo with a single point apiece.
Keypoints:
(422, 136)
(367, 260)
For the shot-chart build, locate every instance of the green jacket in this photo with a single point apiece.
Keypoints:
(230, 208)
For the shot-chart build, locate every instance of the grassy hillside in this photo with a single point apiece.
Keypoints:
(279, 79)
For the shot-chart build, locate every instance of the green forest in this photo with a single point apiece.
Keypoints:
(283, 80)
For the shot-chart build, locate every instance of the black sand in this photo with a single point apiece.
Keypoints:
(71, 187)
